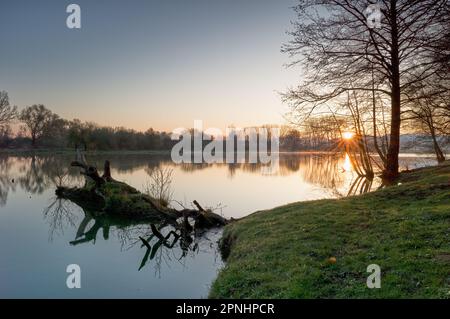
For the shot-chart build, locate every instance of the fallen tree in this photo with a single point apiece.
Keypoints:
(103, 194)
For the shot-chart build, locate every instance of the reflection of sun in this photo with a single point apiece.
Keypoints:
(347, 167)
(348, 135)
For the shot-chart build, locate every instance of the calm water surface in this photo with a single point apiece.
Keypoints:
(40, 235)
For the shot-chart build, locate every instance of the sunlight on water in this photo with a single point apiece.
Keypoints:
(348, 167)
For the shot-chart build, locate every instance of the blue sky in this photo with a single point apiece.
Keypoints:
(154, 63)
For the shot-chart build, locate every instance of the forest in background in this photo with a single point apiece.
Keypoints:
(40, 128)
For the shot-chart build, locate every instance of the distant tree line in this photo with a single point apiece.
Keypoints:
(41, 128)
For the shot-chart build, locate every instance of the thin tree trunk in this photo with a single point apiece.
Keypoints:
(374, 118)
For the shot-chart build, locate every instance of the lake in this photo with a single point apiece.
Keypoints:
(41, 235)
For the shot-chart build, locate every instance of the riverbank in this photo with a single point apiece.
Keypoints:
(321, 249)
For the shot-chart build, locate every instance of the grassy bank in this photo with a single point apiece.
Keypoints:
(285, 252)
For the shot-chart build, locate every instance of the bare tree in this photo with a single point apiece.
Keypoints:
(7, 112)
(39, 121)
(431, 115)
(426, 116)
(341, 50)
(160, 185)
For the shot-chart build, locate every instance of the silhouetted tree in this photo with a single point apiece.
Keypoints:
(38, 121)
(426, 116)
(5, 136)
(7, 112)
(341, 50)
(431, 115)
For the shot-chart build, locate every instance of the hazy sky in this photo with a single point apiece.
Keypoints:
(152, 63)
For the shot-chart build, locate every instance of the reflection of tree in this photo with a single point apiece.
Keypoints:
(34, 174)
(7, 183)
(328, 171)
(59, 215)
(33, 178)
(289, 163)
(157, 241)
(163, 241)
(40, 172)
(37, 173)
(323, 170)
(128, 163)
(360, 185)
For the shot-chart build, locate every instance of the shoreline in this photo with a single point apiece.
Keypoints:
(168, 152)
(321, 249)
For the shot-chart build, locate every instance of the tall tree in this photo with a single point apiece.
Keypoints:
(38, 121)
(385, 48)
(7, 112)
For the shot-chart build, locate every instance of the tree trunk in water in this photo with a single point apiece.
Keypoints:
(391, 169)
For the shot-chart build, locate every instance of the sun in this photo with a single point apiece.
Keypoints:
(348, 135)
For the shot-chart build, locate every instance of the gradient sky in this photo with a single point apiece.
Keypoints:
(153, 63)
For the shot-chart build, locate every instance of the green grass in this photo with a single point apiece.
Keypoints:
(405, 229)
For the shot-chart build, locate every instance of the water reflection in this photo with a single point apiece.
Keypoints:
(59, 215)
(6, 183)
(160, 242)
(111, 251)
(362, 185)
(33, 174)
(334, 173)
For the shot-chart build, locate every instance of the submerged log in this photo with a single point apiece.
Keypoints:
(105, 195)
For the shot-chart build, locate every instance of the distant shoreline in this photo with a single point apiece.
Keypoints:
(46, 151)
